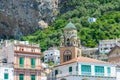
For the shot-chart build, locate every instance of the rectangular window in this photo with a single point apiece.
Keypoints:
(76, 68)
(108, 71)
(21, 61)
(5, 75)
(99, 70)
(56, 72)
(32, 77)
(21, 77)
(70, 69)
(86, 69)
(33, 62)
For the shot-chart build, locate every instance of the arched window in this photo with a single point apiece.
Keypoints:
(67, 55)
(68, 42)
(78, 53)
(63, 79)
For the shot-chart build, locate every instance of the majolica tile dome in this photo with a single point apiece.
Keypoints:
(70, 25)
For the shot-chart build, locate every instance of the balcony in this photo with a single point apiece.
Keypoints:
(21, 65)
(86, 73)
(108, 74)
(6, 65)
(99, 74)
(32, 67)
(27, 52)
(69, 73)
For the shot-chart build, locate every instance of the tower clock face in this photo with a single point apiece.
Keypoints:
(67, 52)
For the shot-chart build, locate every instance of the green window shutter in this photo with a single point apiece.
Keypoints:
(32, 77)
(70, 69)
(33, 62)
(86, 69)
(76, 68)
(21, 77)
(21, 62)
(108, 70)
(99, 70)
(56, 72)
(6, 76)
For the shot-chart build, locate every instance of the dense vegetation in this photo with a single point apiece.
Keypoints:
(107, 25)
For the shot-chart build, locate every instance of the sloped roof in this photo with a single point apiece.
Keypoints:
(113, 49)
(70, 25)
(84, 60)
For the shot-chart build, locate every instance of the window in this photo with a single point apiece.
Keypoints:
(21, 61)
(56, 72)
(32, 77)
(21, 77)
(6, 70)
(77, 68)
(67, 55)
(22, 49)
(33, 62)
(32, 50)
(86, 69)
(70, 69)
(108, 71)
(99, 70)
(6, 76)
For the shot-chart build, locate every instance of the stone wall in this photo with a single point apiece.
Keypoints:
(21, 17)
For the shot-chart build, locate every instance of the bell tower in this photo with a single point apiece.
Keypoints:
(70, 43)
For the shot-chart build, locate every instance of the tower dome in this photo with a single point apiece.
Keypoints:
(70, 26)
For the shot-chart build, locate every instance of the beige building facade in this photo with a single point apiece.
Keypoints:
(27, 63)
(25, 58)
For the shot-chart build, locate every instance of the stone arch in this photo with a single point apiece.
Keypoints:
(67, 55)
(63, 79)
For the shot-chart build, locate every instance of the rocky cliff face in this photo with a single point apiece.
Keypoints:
(21, 17)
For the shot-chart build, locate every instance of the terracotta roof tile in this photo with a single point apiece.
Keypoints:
(85, 60)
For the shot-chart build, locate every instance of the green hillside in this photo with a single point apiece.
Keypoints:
(107, 25)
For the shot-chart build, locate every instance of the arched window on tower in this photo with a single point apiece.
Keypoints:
(68, 42)
(67, 55)
(78, 53)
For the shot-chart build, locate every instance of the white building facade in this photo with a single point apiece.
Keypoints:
(6, 72)
(52, 55)
(105, 46)
(81, 69)
(118, 73)
(92, 19)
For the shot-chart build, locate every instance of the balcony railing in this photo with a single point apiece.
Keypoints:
(27, 52)
(19, 66)
(32, 66)
(99, 74)
(86, 73)
(108, 74)
(69, 73)
(82, 74)
(6, 65)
